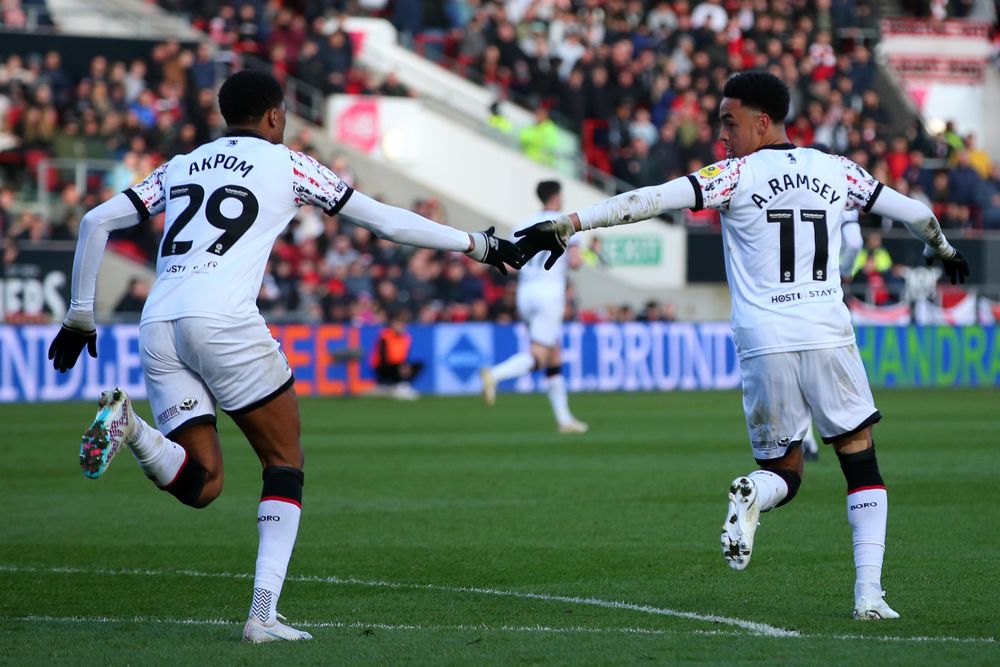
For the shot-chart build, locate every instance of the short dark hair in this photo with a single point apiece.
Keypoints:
(760, 90)
(247, 95)
(546, 190)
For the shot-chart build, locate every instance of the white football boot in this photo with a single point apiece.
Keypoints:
(489, 386)
(742, 519)
(257, 632)
(573, 426)
(113, 428)
(870, 605)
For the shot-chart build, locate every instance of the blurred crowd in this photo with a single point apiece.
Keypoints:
(125, 118)
(24, 15)
(639, 80)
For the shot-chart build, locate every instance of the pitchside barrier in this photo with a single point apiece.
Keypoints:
(332, 360)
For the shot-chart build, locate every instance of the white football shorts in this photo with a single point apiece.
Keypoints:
(784, 391)
(541, 308)
(193, 362)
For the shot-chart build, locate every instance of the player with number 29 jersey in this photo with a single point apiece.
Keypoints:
(781, 210)
(202, 343)
(226, 203)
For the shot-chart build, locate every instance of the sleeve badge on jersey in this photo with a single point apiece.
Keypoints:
(711, 171)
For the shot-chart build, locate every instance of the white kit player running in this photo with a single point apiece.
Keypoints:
(781, 212)
(541, 302)
(202, 340)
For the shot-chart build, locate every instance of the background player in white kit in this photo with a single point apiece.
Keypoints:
(202, 340)
(541, 303)
(781, 213)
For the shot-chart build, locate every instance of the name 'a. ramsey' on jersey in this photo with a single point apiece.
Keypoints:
(781, 210)
(226, 203)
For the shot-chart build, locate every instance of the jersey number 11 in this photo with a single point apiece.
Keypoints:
(785, 217)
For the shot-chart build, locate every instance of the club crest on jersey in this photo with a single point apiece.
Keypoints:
(711, 171)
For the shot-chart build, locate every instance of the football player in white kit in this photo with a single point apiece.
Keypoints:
(781, 212)
(541, 302)
(202, 340)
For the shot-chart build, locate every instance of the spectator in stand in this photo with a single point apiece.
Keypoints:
(979, 159)
(337, 57)
(134, 298)
(540, 140)
(873, 255)
(636, 166)
(963, 181)
(407, 18)
(393, 87)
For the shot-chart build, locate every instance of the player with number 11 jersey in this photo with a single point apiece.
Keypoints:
(781, 209)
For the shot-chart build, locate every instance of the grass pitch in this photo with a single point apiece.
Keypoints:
(442, 532)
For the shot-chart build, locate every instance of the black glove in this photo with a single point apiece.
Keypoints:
(955, 267)
(551, 235)
(67, 345)
(488, 249)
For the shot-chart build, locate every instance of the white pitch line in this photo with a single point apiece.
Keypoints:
(753, 627)
(539, 629)
(360, 625)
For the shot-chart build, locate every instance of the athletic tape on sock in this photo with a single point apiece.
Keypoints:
(861, 470)
(188, 484)
(282, 483)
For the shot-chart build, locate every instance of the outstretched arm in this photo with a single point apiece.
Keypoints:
(623, 209)
(402, 226)
(922, 223)
(78, 329)
(315, 184)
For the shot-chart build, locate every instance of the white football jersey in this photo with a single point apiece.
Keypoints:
(533, 274)
(226, 203)
(781, 210)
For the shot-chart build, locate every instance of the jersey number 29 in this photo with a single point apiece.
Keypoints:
(232, 228)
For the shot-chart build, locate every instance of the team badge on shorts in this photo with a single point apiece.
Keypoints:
(711, 171)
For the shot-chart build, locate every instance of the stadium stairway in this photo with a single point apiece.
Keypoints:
(120, 18)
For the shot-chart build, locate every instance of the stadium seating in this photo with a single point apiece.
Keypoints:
(641, 87)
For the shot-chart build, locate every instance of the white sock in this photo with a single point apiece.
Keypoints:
(867, 511)
(558, 399)
(160, 459)
(513, 367)
(771, 488)
(277, 526)
(809, 443)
